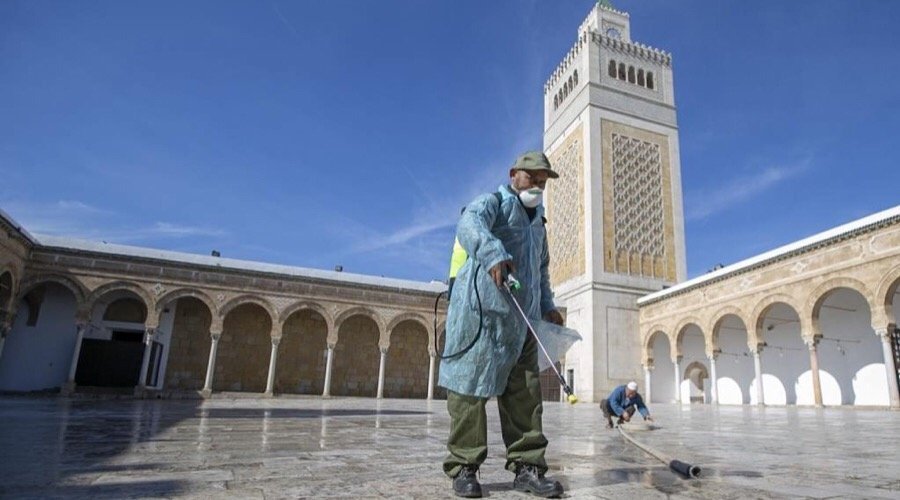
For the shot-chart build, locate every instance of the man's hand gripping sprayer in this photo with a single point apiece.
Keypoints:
(512, 284)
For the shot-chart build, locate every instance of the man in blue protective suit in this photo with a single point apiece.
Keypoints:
(488, 350)
(622, 402)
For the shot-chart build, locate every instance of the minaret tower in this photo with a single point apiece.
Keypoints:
(615, 219)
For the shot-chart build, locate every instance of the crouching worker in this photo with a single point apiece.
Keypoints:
(622, 402)
(489, 352)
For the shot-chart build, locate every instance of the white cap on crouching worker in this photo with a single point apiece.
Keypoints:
(632, 386)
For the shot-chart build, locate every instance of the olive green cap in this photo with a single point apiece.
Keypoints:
(535, 160)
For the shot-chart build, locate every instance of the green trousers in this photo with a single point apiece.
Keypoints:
(520, 419)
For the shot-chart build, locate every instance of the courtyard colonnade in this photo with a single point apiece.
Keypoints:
(811, 323)
(76, 314)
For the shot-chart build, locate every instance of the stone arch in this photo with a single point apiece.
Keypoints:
(650, 80)
(356, 353)
(611, 70)
(248, 299)
(358, 310)
(678, 332)
(406, 316)
(646, 347)
(886, 310)
(116, 286)
(818, 296)
(78, 290)
(693, 375)
(312, 306)
(303, 349)
(712, 331)
(406, 365)
(640, 78)
(631, 76)
(189, 342)
(755, 335)
(242, 359)
(621, 74)
(180, 293)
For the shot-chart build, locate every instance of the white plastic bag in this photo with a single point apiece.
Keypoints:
(556, 340)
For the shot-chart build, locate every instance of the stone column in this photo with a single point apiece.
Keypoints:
(211, 366)
(380, 393)
(714, 385)
(327, 391)
(890, 368)
(814, 369)
(431, 359)
(677, 362)
(149, 332)
(757, 368)
(81, 326)
(273, 358)
(647, 371)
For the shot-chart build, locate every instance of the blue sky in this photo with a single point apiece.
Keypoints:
(350, 132)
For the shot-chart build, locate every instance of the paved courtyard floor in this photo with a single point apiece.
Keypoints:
(363, 448)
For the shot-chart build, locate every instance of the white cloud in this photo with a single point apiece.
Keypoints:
(76, 219)
(700, 205)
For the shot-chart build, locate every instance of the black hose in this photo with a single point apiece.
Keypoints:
(480, 321)
(685, 469)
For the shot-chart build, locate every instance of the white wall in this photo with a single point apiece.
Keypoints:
(662, 378)
(37, 357)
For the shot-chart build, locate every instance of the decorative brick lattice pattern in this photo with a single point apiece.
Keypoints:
(638, 224)
(565, 210)
(637, 196)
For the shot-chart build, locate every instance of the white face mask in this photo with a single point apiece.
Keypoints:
(532, 197)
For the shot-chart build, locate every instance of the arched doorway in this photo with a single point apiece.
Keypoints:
(695, 387)
(356, 358)
(406, 367)
(113, 347)
(242, 359)
(302, 354)
(38, 350)
(693, 352)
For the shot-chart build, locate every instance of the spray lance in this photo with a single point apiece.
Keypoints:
(511, 284)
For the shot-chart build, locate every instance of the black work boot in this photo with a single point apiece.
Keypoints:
(465, 484)
(530, 478)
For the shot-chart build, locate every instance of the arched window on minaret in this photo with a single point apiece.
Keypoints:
(575, 76)
(565, 91)
(641, 81)
(621, 71)
(570, 84)
(631, 78)
(650, 80)
(555, 102)
(612, 68)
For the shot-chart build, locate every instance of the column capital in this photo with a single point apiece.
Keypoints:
(648, 367)
(884, 333)
(758, 348)
(383, 349)
(215, 336)
(811, 343)
(150, 331)
(714, 354)
(276, 341)
(330, 346)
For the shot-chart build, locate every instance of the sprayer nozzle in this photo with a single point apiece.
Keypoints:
(512, 283)
(572, 399)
